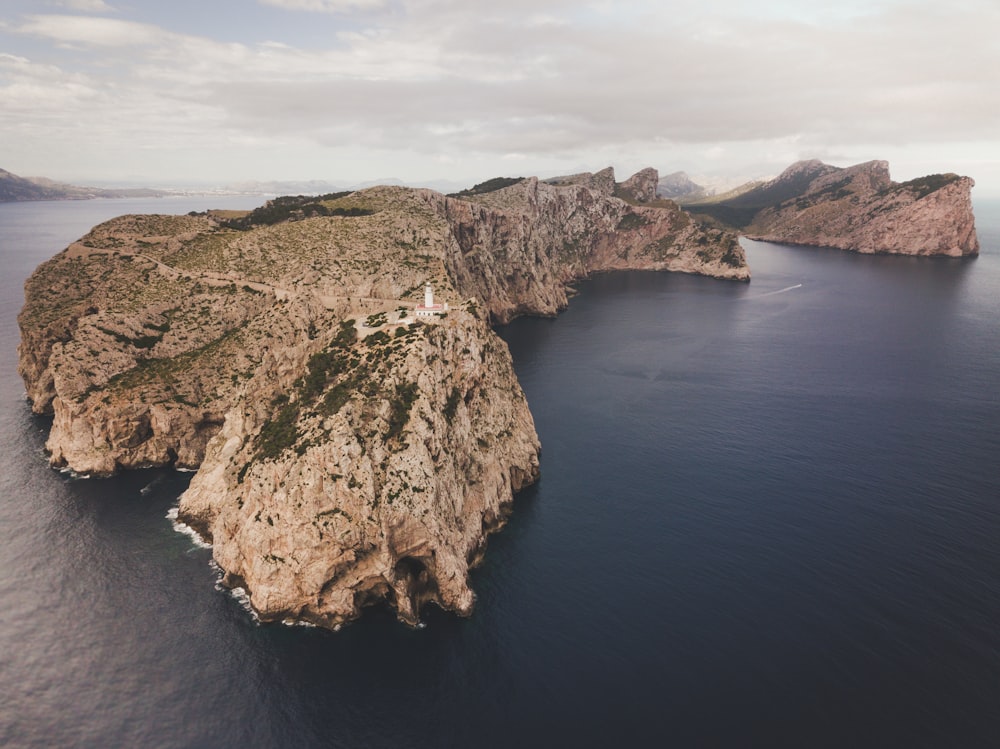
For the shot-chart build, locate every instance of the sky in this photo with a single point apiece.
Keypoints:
(220, 91)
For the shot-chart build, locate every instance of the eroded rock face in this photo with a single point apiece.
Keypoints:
(861, 209)
(347, 451)
(390, 495)
(519, 248)
(640, 187)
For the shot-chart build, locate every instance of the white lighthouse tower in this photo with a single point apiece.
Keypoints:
(428, 308)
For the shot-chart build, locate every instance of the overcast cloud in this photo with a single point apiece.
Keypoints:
(350, 90)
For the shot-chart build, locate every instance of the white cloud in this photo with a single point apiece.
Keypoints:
(542, 80)
(84, 30)
(86, 6)
(325, 6)
(34, 93)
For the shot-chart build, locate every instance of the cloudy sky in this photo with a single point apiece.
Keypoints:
(215, 91)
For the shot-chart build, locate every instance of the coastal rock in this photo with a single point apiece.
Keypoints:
(390, 494)
(857, 208)
(863, 210)
(348, 451)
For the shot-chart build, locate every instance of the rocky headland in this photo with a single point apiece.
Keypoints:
(15, 189)
(348, 450)
(857, 208)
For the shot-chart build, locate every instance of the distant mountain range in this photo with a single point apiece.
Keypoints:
(15, 189)
(857, 208)
(683, 189)
(322, 187)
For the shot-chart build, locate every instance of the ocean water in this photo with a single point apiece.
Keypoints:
(769, 515)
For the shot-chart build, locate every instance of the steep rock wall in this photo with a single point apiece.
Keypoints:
(391, 495)
(519, 249)
(861, 209)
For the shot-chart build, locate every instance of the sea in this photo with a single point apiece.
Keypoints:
(769, 516)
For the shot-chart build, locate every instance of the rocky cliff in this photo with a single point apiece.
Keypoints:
(392, 472)
(518, 249)
(347, 450)
(857, 208)
(861, 209)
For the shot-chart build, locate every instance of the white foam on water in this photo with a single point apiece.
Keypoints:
(186, 529)
(73, 475)
(144, 491)
(297, 623)
(238, 594)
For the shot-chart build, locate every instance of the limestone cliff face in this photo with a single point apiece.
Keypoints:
(347, 451)
(861, 209)
(518, 249)
(602, 182)
(641, 187)
(388, 494)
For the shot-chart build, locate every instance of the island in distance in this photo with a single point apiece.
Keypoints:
(327, 364)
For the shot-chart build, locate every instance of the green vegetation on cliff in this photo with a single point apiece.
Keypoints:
(295, 207)
(490, 185)
(738, 212)
(924, 186)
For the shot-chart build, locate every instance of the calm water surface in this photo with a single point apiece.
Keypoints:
(769, 516)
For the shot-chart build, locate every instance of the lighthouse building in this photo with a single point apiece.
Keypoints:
(429, 308)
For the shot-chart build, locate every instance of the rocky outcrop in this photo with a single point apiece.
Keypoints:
(640, 187)
(347, 451)
(602, 182)
(387, 494)
(518, 249)
(858, 208)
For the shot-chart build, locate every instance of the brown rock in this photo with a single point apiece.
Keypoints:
(861, 209)
(333, 472)
(359, 509)
(640, 187)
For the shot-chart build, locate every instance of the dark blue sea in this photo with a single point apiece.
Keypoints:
(769, 516)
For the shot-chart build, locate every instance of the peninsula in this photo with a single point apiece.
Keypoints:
(15, 189)
(857, 208)
(328, 366)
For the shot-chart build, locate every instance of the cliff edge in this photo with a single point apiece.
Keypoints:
(857, 208)
(352, 445)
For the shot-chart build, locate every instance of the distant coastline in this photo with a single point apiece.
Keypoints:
(16, 189)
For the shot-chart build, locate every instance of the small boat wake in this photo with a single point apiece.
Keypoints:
(148, 488)
(779, 291)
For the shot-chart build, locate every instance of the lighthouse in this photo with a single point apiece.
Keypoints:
(428, 308)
